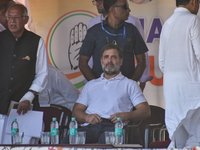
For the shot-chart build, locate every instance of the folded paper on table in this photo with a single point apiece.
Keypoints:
(30, 123)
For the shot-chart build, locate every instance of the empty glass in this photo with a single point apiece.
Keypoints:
(109, 137)
(45, 138)
(18, 138)
(81, 137)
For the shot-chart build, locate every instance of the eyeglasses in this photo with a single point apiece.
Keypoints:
(125, 6)
(94, 2)
(14, 17)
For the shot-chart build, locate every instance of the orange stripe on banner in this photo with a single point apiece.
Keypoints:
(156, 81)
(73, 75)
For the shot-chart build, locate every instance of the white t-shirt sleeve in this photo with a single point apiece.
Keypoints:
(136, 95)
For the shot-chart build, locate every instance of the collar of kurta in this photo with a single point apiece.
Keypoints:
(181, 9)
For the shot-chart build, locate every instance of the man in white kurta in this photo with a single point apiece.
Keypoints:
(179, 60)
(59, 90)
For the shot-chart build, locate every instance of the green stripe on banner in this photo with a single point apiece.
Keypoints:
(79, 85)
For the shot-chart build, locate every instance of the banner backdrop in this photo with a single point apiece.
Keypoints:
(63, 25)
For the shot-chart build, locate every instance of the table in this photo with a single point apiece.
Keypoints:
(69, 147)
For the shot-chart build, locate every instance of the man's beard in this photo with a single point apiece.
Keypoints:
(111, 71)
(101, 11)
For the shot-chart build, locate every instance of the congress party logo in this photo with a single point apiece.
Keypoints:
(64, 41)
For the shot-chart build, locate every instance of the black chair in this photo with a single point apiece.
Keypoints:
(153, 129)
(157, 136)
(62, 114)
(131, 132)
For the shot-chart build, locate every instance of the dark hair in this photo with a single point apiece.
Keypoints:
(107, 4)
(4, 4)
(182, 2)
(112, 46)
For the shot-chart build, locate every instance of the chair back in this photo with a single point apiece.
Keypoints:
(131, 132)
(157, 117)
(62, 114)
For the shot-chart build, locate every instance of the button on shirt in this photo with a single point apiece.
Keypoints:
(106, 97)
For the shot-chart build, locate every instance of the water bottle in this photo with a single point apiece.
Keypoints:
(73, 139)
(118, 131)
(14, 129)
(54, 131)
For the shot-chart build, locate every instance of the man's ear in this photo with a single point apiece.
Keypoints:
(3, 11)
(26, 19)
(192, 6)
(112, 9)
(193, 2)
(196, 2)
(121, 61)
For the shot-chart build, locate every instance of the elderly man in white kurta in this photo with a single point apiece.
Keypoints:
(179, 60)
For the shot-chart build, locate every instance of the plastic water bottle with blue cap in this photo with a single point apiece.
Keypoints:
(73, 137)
(54, 131)
(118, 131)
(14, 129)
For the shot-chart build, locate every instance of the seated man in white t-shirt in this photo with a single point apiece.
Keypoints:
(105, 99)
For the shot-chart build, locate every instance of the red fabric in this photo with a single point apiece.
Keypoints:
(159, 144)
(49, 113)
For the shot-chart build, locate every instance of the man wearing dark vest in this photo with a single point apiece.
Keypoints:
(23, 63)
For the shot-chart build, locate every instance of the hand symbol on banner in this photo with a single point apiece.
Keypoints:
(77, 35)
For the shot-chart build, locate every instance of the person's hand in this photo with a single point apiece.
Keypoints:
(114, 117)
(93, 119)
(23, 107)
